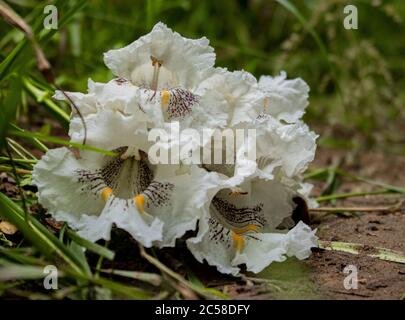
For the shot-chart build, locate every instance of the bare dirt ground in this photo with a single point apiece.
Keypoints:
(377, 279)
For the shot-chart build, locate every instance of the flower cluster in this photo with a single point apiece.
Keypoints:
(243, 214)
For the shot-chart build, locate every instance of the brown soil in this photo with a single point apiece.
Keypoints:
(376, 279)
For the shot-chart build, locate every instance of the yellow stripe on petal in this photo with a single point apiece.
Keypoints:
(140, 202)
(248, 228)
(165, 98)
(238, 193)
(106, 193)
(238, 241)
(266, 102)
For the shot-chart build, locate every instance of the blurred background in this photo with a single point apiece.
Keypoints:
(355, 76)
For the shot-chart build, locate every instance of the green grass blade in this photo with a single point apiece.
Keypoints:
(152, 278)
(9, 104)
(22, 272)
(94, 247)
(21, 257)
(35, 142)
(43, 97)
(37, 234)
(42, 137)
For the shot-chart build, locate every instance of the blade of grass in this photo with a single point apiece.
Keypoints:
(34, 141)
(9, 102)
(17, 170)
(67, 143)
(20, 272)
(175, 275)
(124, 290)
(94, 247)
(37, 234)
(15, 255)
(391, 208)
(193, 279)
(23, 161)
(152, 278)
(43, 97)
(21, 149)
(351, 195)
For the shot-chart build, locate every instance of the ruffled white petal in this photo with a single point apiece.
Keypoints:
(290, 146)
(109, 130)
(216, 253)
(272, 247)
(300, 240)
(185, 62)
(122, 213)
(237, 96)
(276, 199)
(111, 115)
(191, 192)
(286, 99)
(58, 188)
(260, 253)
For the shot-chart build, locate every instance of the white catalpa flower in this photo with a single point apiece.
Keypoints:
(245, 228)
(243, 222)
(152, 203)
(285, 99)
(242, 208)
(167, 69)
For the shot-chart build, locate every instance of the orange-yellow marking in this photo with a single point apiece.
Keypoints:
(238, 193)
(249, 227)
(238, 241)
(106, 193)
(165, 98)
(266, 102)
(140, 202)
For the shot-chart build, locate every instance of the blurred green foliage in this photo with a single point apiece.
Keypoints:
(355, 84)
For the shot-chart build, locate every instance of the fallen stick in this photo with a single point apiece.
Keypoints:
(357, 248)
(390, 208)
